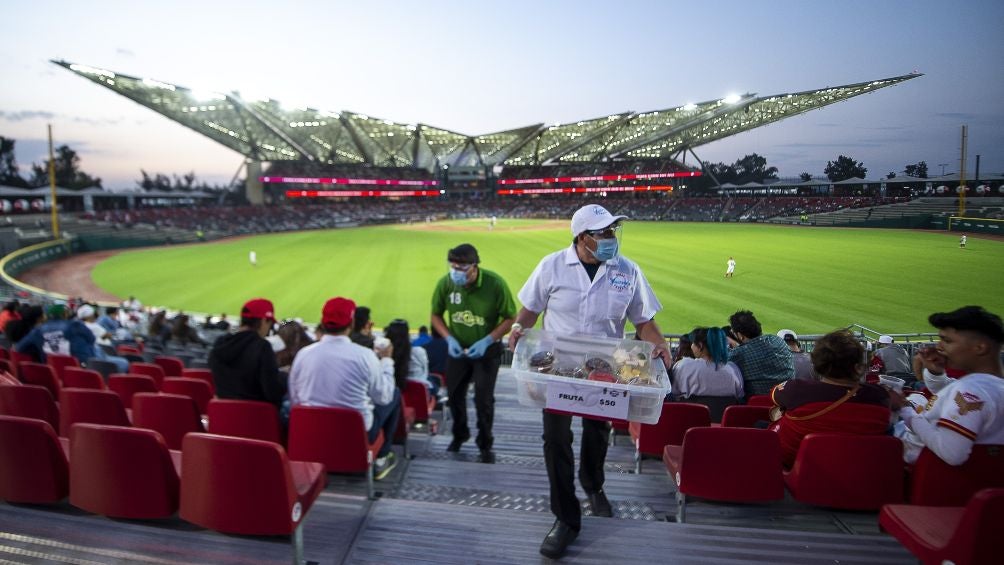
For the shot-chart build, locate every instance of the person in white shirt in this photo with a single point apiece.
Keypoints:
(968, 410)
(587, 289)
(336, 372)
(253, 258)
(88, 315)
(730, 268)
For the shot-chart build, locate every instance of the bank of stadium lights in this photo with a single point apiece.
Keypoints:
(732, 99)
(92, 71)
(151, 83)
(307, 124)
(689, 107)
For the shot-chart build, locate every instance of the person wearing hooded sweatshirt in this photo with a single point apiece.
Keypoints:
(58, 335)
(243, 363)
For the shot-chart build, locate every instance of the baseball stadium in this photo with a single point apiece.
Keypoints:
(343, 204)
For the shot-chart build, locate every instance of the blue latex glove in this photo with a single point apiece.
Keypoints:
(453, 347)
(477, 350)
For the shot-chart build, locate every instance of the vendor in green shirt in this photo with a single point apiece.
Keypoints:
(479, 310)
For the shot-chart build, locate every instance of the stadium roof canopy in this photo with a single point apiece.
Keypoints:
(263, 130)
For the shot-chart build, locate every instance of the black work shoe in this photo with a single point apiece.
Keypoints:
(487, 456)
(558, 540)
(600, 505)
(456, 443)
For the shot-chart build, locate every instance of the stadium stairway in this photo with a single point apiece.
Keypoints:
(448, 508)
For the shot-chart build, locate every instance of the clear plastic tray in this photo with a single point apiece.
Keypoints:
(572, 352)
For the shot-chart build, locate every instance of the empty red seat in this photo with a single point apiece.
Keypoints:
(126, 349)
(219, 492)
(76, 377)
(727, 464)
(29, 401)
(936, 483)
(33, 466)
(8, 366)
(40, 374)
(122, 472)
(848, 471)
(760, 400)
(90, 407)
(416, 395)
(244, 418)
(126, 385)
(173, 366)
(171, 415)
(156, 372)
(196, 389)
(201, 374)
(676, 419)
(59, 361)
(348, 451)
(17, 357)
(948, 534)
(745, 416)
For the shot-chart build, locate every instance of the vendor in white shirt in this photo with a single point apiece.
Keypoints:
(586, 289)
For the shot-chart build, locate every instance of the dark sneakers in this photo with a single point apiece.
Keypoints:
(384, 465)
(600, 505)
(487, 456)
(558, 540)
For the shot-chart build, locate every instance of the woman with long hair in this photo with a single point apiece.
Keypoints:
(410, 363)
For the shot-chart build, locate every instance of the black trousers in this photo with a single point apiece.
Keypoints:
(560, 463)
(483, 372)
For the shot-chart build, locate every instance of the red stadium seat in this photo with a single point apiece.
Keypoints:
(219, 493)
(171, 415)
(81, 405)
(4, 352)
(126, 385)
(156, 372)
(936, 483)
(8, 366)
(58, 362)
(40, 374)
(173, 366)
(853, 472)
(244, 418)
(949, 534)
(196, 389)
(75, 377)
(17, 357)
(676, 419)
(416, 395)
(29, 401)
(760, 400)
(348, 451)
(727, 464)
(122, 472)
(33, 466)
(745, 416)
(201, 374)
(126, 349)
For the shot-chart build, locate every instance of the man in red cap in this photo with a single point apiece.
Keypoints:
(334, 371)
(243, 363)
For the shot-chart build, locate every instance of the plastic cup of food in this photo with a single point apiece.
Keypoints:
(894, 383)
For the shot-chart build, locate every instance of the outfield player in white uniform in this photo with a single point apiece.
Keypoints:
(730, 268)
(968, 410)
(586, 289)
(253, 258)
(962, 241)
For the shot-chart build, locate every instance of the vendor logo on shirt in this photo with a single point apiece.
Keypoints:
(619, 281)
(467, 318)
(967, 402)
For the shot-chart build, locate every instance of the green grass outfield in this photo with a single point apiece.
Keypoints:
(811, 280)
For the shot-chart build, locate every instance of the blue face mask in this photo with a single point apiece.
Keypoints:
(459, 278)
(606, 249)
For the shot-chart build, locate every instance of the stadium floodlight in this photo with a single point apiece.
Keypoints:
(206, 95)
(690, 106)
(731, 99)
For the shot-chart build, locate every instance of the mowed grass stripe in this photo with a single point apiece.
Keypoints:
(808, 279)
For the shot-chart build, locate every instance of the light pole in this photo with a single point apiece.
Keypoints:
(942, 165)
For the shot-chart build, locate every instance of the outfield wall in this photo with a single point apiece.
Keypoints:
(32, 256)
